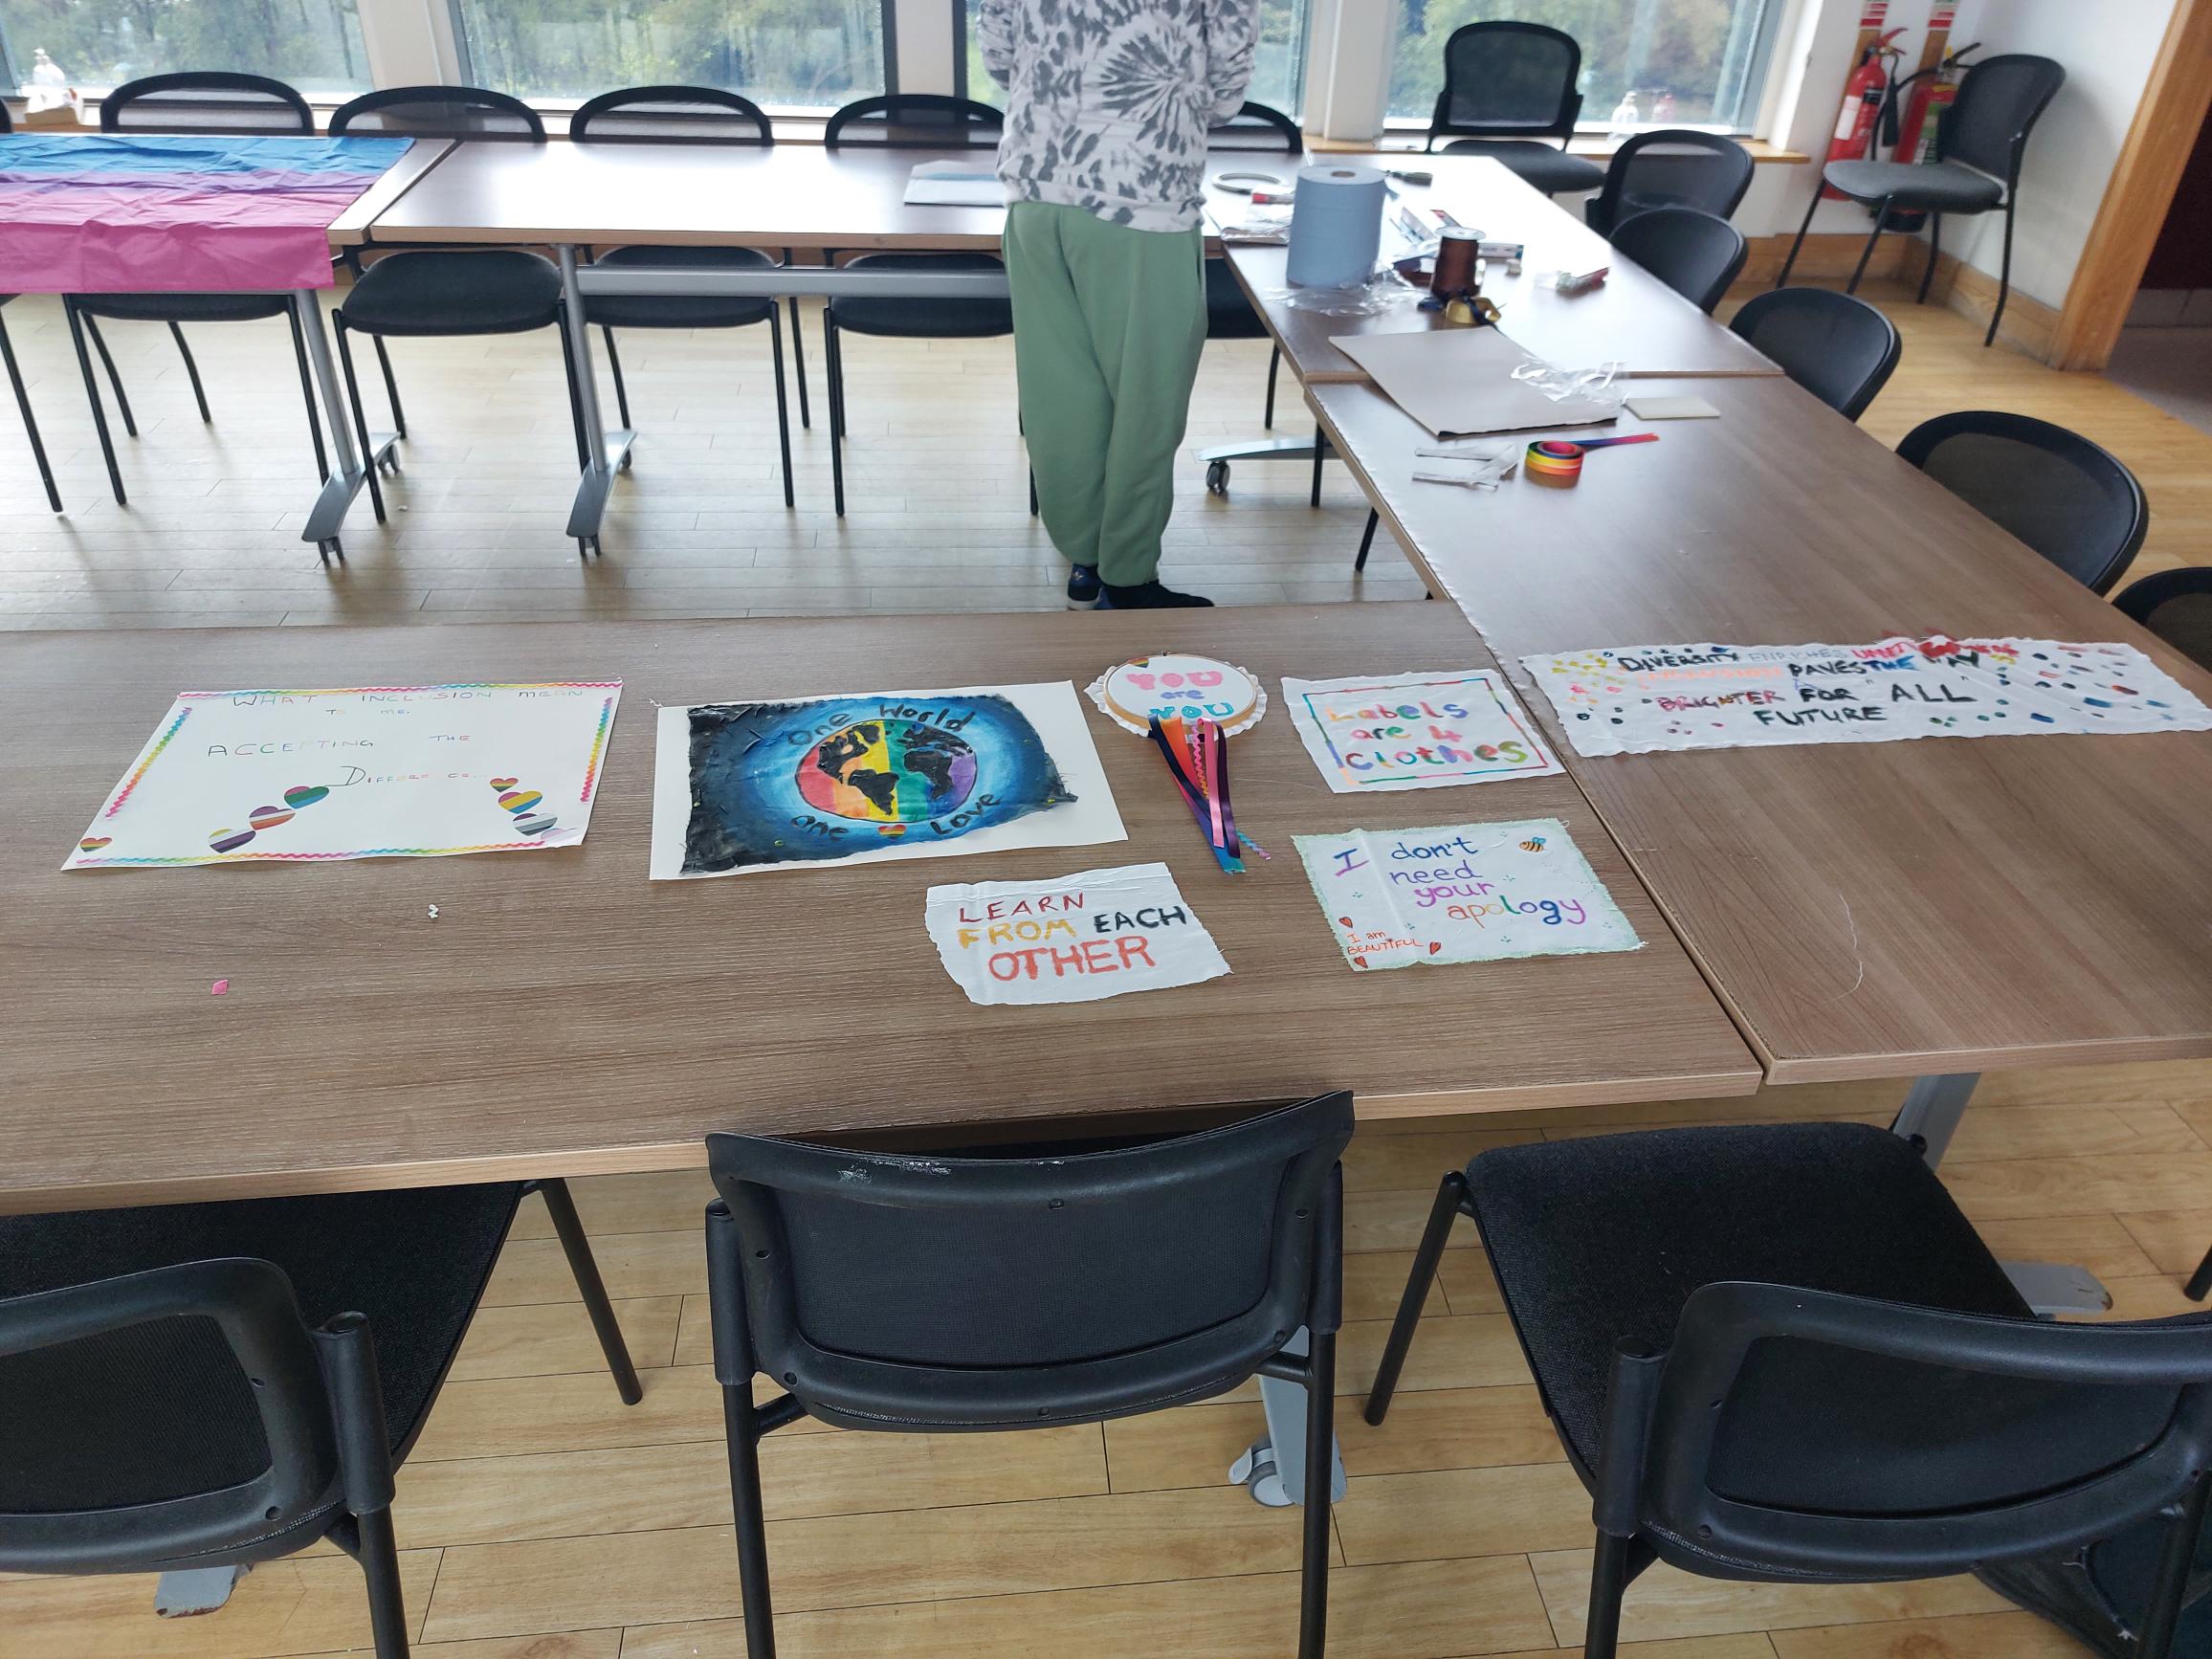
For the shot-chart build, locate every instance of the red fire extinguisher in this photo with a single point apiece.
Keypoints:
(1932, 91)
(1862, 108)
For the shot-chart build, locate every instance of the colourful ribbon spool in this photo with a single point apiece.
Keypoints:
(1556, 458)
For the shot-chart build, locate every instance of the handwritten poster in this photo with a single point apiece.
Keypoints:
(1462, 892)
(1077, 939)
(1636, 699)
(422, 771)
(1415, 731)
(1172, 687)
(744, 786)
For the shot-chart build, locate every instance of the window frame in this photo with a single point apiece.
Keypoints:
(1302, 58)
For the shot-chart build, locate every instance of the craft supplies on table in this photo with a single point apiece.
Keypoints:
(1197, 756)
(1464, 383)
(1560, 461)
(1132, 693)
(1335, 225)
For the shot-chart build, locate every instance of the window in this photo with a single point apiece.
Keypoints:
(1278, 67)
(1689, 62)
(785, 55)
(94, 45)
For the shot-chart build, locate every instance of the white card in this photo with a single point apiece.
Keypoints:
(1077, 939)
(1681, 407)
(1415, 731)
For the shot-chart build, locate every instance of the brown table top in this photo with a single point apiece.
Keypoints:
(562, 1014)
(1869, 909)
(350, 228)
(1634, 319)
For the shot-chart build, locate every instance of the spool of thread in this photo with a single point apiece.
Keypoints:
(1335, 225)
(1457, 250)
(1555, 460)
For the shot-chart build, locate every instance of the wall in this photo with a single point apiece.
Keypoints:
(2108, 49)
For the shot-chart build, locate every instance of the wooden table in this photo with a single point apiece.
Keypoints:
(351, 228)
(1863, 909)
(564, 1015)
(1634, 319)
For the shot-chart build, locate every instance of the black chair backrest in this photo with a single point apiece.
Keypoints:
(2062, 494)
(2000, 100)
(916, 120)
(1038, 1286)
(1257, 127)
(1835, 346)
(209, 100)
(2176, 605)
(449, 112)
(1794, 1431)
(1508, 80)
(1672, 168)
(682, 115)
(177, 1412)
(1692, 253)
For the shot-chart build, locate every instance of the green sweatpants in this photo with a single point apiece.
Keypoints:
(1108, 326)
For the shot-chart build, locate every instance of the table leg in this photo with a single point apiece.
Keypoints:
(1273, 1470)
(1930, 1116)
(346, 477)
(609, 453)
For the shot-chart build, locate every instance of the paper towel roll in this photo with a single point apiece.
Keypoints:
(1335, 225)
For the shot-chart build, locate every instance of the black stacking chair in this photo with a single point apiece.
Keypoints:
(2062, 494)
(1508, 86)
(441, 293)
(695, 115)
(217, 1384)
(1781, 1355)
(1978, 147)
(1839, 348)
(15, 383)
(1672, 168)
(1688, 249)
(908, 121)
(193, 101)
(2177, 606)
(1025, 1288)
(1228, 312)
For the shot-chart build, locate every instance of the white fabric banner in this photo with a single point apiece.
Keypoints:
(1415, 731)
(1076, 940)
(1631, 700)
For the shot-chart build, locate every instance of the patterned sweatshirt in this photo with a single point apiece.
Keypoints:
(1110, 99)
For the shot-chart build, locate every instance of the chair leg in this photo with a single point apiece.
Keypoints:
(379, 1558)
(834, 356)
(743, 1433)
(1274, 371)
(29, 420)
(1608, 1584)
(77, 323)
(1366, 540)
(2004, 279)
(307, 393)
(353, 401)
(1790, 264)
(582, 1263)
(1450, 1195)
(621, 391)
(192, 371)
(1320, 1474)
(1032, 492)
(390, 386)
(2157, 1641)
(1881, 218)
(114, 379)
(1928, 271)
(783, 406)
(1320, 452)
(798, 355)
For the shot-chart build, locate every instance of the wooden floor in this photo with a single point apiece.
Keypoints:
(542, 1519)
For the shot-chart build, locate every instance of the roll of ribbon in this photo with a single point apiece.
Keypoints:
(1335, 225)
(1555, 459)
(1456, 253)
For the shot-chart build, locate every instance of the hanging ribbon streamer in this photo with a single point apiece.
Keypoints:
(1561, 461)
(1197, 756)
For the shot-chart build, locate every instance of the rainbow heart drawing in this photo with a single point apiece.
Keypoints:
(524, 803)
(94, 843)
(503, 783)
(304, 795)
(269, 817)
(520, 801)
(229, 840)
(534, 823)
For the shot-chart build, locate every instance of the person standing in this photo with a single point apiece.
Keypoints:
(1104, 157)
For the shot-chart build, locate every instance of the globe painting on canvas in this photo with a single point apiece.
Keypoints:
(876, 776)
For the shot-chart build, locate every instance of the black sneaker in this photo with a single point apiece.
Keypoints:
(1151, 596)
(1084, 587)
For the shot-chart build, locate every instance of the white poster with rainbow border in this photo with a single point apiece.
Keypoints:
(423, 771)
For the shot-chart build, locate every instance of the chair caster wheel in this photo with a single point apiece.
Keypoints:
(1216, 477)
(623, 465)
(1257, 1472)
(328, 549)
